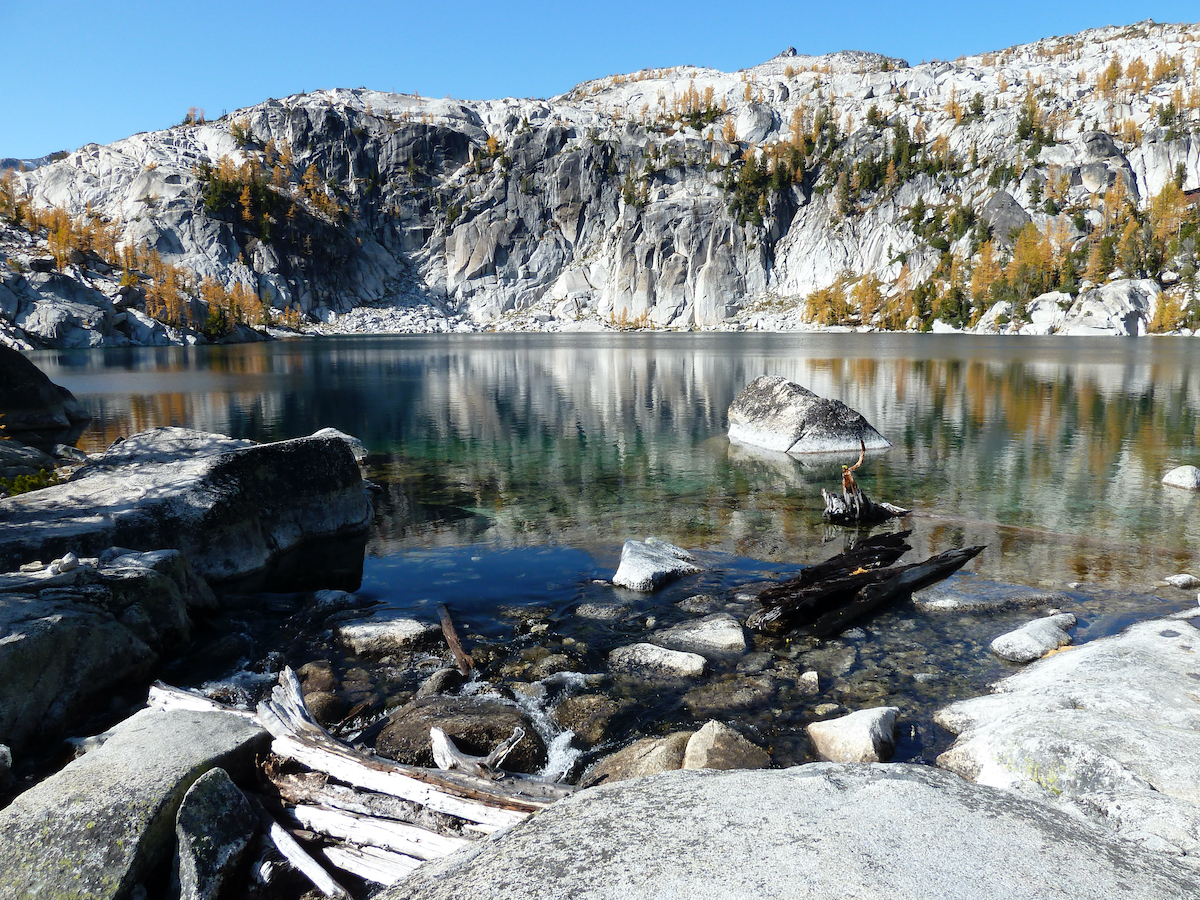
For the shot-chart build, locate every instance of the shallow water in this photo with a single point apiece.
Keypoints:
(514, 466)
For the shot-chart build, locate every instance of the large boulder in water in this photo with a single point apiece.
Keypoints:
(231, 506)
(821, 831)
(29, 401)
(777, 414)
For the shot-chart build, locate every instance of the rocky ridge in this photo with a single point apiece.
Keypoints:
(845, 190)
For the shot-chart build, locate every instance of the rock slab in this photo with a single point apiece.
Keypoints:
(229, 506)
(29, 401)
(97, 827)
(713, 635)
(1107, 727)
(822, 831)
(777, 414)
(648, 565)
(650, 660)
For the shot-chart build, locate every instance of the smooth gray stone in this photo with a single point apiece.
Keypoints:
(231, 508)
(214, 826)
(822, 832)
(1186, 477)
(963, 592)
(777, 414)
(867, 735)
(101, 824)
(650, 660)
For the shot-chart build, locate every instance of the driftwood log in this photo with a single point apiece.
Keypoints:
(370, 816)
(854, 507)
(825, 598)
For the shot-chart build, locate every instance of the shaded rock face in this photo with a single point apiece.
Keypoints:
(837, 830)
(98, 826)
(231, 508)
(68, 640)
(31, 402)
(777, 414)
(476, 725)
(1108, 727)
(213, 828)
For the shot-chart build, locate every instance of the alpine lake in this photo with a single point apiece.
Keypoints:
(511, 468)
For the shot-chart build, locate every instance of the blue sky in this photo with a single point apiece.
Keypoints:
(78, 72)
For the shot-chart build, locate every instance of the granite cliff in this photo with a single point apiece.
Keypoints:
(1043, 188)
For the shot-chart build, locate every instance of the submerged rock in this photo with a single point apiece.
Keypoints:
(1035, 639)
(964, 592)
(868, 735)
(1114, 718)
(778, 414)
(229, 506)
(648, 565)
(108, 819)
(1186, 477)
(896, 832)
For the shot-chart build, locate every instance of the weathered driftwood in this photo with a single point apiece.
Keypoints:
(371, 863)
(298, 737)
(827, 597)
(399, 837)
(449, 757)
(297, 856)
(464, 662)
(164, 697)
(854, 507)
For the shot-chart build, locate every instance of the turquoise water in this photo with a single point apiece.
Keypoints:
(513, 467)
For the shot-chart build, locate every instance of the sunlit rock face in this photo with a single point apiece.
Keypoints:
(669, 198)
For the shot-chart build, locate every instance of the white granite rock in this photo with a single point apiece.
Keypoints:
(717, 634)
(650, 660)
(1183, 581)
(868, 735)
(385, 632)
(648, 565)
(1186, 477)
(822, 832)
(1114, 717)
(717, 746)
(1035, 639)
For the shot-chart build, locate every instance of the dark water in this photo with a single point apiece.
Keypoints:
(514, 466)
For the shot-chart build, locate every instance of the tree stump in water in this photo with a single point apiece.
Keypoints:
(854, 507)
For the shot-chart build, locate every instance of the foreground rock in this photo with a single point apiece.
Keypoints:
(868, 735)
(107, 820)
(1035, 639)
(1186, 477)
(213, 829)
(230, 506)
(824, 831)
(1109, 727)
(31, 402)
(777, 414)
(68, 640)
(648, 565)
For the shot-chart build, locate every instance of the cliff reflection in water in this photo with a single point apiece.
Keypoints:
(1048, 450)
